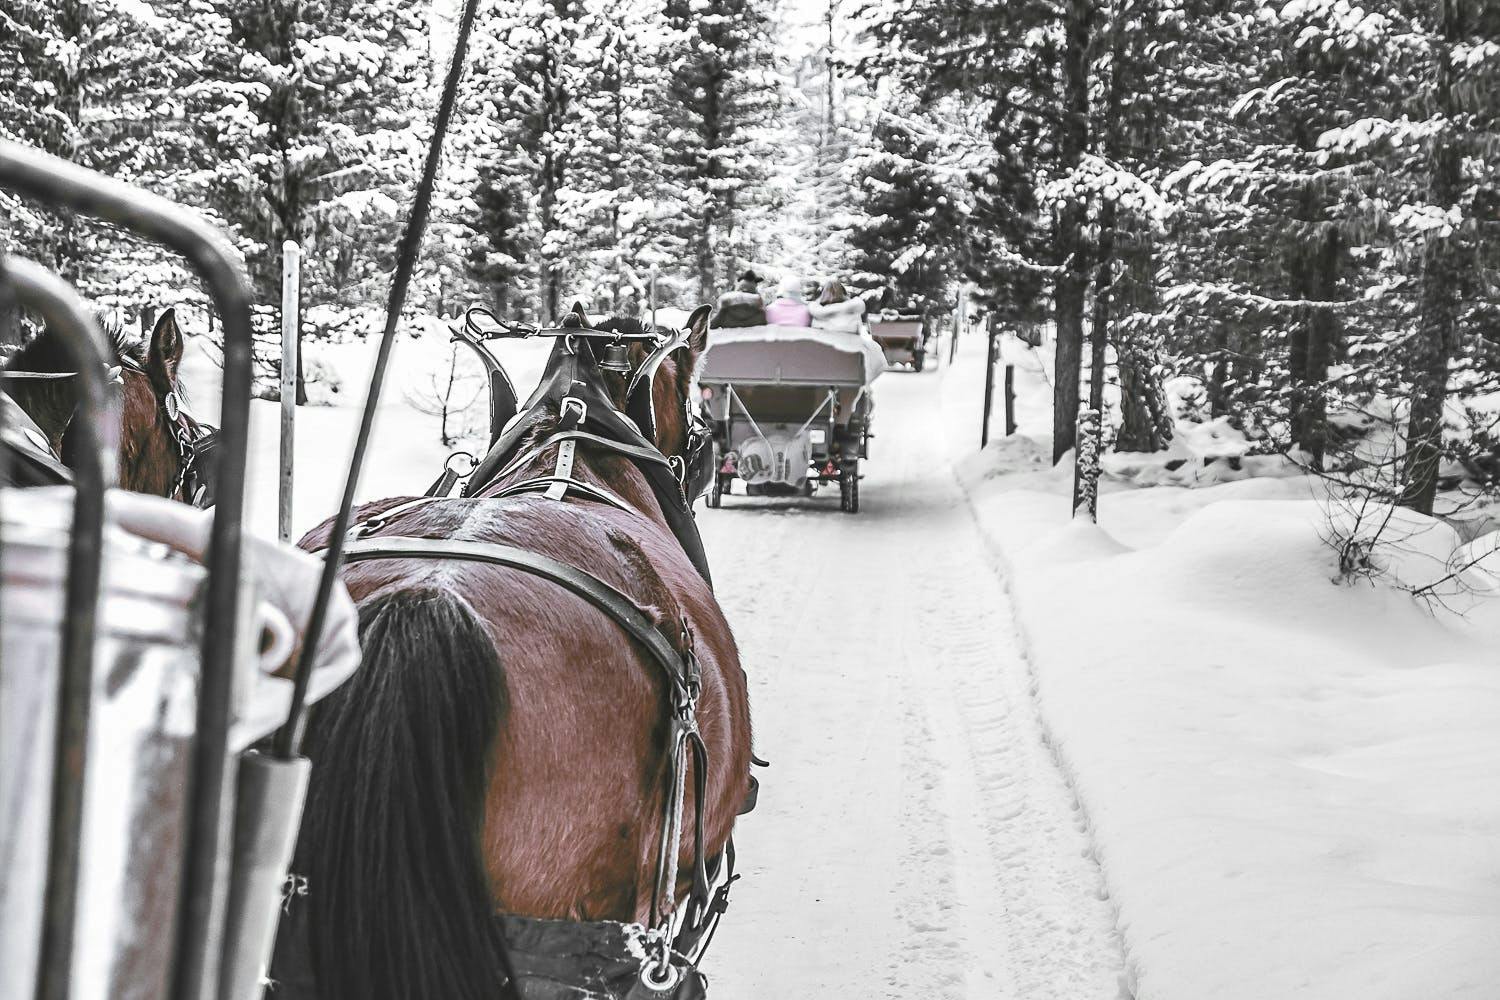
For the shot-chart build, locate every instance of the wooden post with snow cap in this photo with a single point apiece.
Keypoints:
(291, 294)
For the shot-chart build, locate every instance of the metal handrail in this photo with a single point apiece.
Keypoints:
(97, 424)
(57, 182)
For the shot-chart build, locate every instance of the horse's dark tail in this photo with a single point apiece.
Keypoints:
(397, 894)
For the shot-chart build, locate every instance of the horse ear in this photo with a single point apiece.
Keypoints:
(697, 327)
(583, 317)
(165, 353)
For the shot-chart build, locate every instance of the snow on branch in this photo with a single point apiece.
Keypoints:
(1097, 179)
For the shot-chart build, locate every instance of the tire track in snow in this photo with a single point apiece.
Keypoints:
(914, 837)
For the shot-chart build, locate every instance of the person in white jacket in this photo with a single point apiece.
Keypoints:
(836, 311)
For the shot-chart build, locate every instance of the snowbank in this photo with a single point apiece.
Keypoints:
(1293, 781)
(406, 453)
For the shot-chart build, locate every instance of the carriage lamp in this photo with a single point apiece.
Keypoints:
(707, 393)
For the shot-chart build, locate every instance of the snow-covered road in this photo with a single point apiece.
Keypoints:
(914, 836)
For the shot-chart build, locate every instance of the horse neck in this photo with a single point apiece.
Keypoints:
(49, 402)
(596, 466)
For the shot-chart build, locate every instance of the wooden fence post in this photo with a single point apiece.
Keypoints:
(1010, 400)
(989, 379)
(291, 294)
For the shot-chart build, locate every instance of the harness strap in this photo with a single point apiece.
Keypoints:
(373, 524)
(626, 613)
(628, 450)
(549, 483)
(563, 474)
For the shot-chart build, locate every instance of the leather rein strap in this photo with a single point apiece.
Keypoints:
(684, 681)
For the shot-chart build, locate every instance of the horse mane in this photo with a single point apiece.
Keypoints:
(46, 352)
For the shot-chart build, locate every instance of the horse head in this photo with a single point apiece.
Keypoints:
(157, 436)
(670, 415)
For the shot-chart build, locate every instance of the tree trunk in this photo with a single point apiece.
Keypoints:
(1086, 474)
(1438, 303)
(1072, 283)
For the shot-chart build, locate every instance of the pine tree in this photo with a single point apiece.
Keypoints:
(909, 233)
(1029, 63)
(318, 141)
(816, 178)
(609, 206)
(107, 85)
(1457, 312)
(321, 137)
(719, 99)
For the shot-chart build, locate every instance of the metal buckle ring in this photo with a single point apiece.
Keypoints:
(575, 403)
(662, 977)
(448, 463)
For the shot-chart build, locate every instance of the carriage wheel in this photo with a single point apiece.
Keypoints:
(849, 488)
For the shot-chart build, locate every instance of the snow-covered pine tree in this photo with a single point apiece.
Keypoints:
(609, 206)
(491, 156)
(909, 234)
(1273, 276)
(718, 100)
(1030, 64)
(1457, 230)
(320, 137)
(106, 84)
(533, 81)
(825, 107)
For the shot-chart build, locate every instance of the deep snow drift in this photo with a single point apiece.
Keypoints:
(1291, 780)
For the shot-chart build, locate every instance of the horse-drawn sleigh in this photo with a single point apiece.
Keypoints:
(526, 789)
(790, 409)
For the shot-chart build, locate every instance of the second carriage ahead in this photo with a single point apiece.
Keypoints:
(790, 408)
(903, 337)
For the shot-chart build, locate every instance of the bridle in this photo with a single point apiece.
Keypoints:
(697, 448)
(195, 443)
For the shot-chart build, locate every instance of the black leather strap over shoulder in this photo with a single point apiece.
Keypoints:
(618, 606)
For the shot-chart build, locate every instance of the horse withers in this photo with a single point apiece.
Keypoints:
(163, 450)
(501, 768)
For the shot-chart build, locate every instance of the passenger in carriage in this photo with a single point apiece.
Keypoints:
(836, 311)
(789, 309)
(741, 307)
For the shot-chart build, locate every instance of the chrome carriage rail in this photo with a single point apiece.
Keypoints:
(61, 184)
(35, 288)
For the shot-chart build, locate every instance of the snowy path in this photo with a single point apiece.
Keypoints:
(914, 837)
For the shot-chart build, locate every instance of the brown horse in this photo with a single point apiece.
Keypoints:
(150, 459)
(501, 748)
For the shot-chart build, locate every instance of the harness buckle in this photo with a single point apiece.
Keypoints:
(573, 404)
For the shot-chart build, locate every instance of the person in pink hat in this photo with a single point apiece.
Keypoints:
(788, 309)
